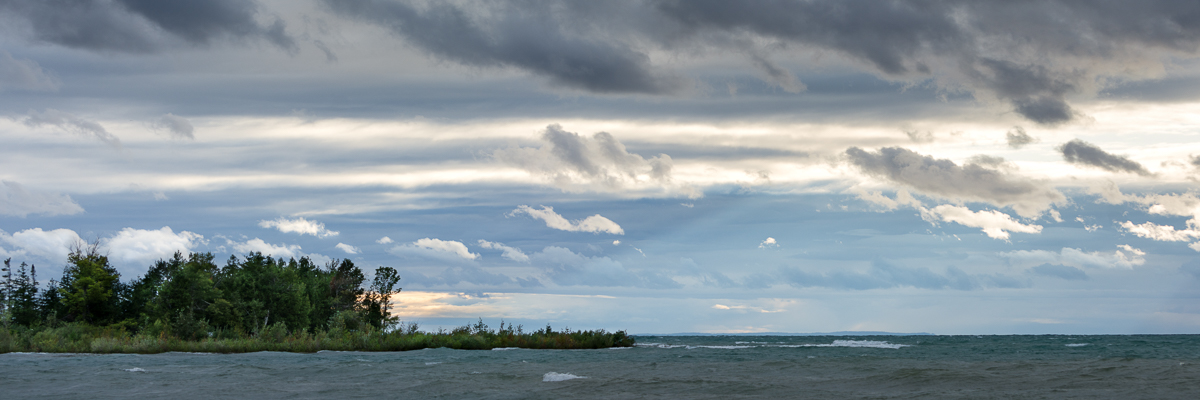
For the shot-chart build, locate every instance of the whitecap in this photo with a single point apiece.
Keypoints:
(135, 369)
(433, 363)
(1076, 344)
(878, 344)
(506, 348)
(557, 377)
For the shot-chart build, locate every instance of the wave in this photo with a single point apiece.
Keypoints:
(1076, 344)
(878, 344)
(135, 369)
(557, 377)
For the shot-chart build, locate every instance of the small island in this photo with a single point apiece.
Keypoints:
(254, 303)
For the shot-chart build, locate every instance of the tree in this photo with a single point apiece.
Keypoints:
(22, 293)
(89, 285)
(377, 301)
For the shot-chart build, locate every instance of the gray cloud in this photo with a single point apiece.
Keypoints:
(1060, 271)
(944, 178)
(1022, 54)
(884, 274)
(573, 161)
(24, 74)
(537, 38)
(567, 268)
(1018, 138)
(1080, 152)
(70, 123)
(176, 126)
(142, 25)
(18, 201)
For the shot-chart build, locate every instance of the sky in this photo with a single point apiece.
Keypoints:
(655, 166)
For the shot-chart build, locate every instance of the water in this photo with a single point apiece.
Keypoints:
(876, 367)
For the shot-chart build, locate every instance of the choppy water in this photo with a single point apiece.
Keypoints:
(877, 367)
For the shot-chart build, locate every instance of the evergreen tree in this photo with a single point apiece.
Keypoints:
(22, 295)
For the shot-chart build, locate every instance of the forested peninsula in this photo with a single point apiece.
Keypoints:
(252, 303)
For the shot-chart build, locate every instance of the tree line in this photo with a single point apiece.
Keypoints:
(191, 297)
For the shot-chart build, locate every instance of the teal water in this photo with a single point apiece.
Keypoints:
(817, 367)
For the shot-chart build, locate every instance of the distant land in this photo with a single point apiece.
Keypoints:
(839, 333)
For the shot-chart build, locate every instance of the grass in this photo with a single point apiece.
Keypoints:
(81, 338)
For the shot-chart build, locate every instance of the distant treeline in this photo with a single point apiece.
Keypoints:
(192, 297)
(253, 303)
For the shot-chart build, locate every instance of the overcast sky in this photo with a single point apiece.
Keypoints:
(954, 167)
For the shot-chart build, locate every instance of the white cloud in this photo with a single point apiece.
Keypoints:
(347, 248)
(511, 253)
(17, 201)
(903, 198)
(1125, 257)
(299, 225)
(1162, 233)
(616, 243)
(436, 248)
(995, 224)
(594, 224)
(258, 245)
(51, 245)
(142, 247)
(768, 243)
(384, 240)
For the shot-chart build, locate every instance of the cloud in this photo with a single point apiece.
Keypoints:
(16, 200)
(1060, 271)
(267, 249)
(436, 248)
(768, 243)
(883, 274)
(1162, 233)
(995, 224)
(299, 225)
(175, 126)
(21, 74)
(944, 178)
(141, 247)
(567, 268)
(71, 124)
(903, 198)
(511, 253)
(53, 245)
(141, 26)
(1017, 138)
(384, 240)
(1080, 152)
(1125, 257)
(541, 40)
(347, 248)
(594, 224)
(599, 163)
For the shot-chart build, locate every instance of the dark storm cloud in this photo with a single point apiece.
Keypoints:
(1031, 55)
(1018, 138)
(971, 181)
(141, 25)
(1080, 152)
(527, 36)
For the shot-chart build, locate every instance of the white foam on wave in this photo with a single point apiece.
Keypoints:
(878, 344)
(1076, 344)
(557, 377)
(135, 369)
(433, 363)
(506, 348)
